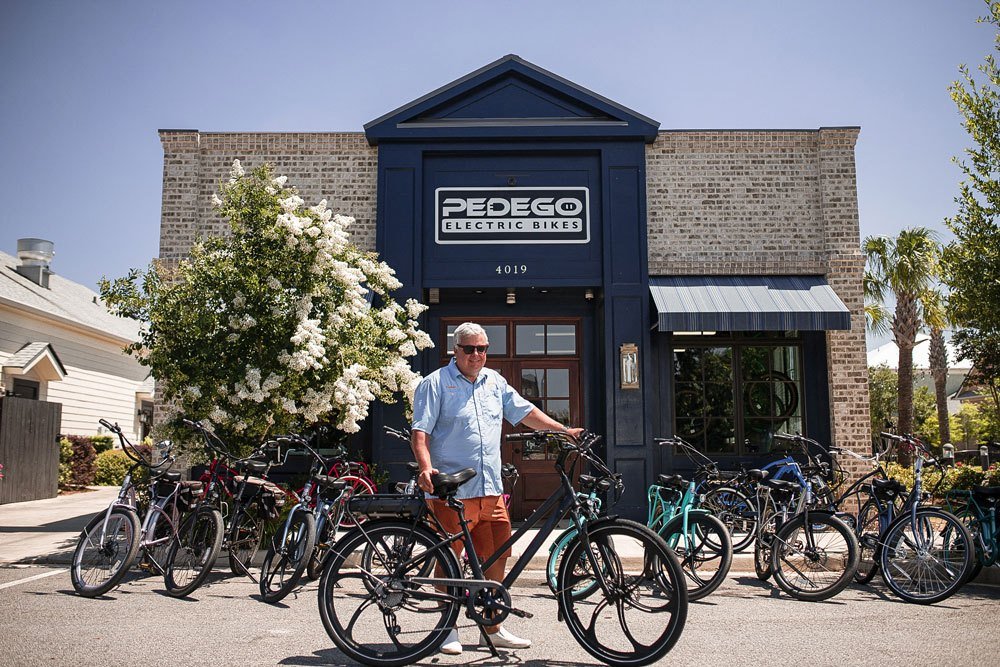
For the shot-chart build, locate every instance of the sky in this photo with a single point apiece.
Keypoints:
(86, 84)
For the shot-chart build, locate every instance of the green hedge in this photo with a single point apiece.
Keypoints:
(959, 476)
(111, 467)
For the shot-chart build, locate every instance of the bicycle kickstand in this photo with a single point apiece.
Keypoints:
(489, 641)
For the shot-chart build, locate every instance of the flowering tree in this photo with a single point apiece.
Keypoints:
(280, 325)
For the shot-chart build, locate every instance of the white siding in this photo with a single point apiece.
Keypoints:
(101, 381)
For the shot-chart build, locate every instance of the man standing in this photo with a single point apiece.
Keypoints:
(457, 418)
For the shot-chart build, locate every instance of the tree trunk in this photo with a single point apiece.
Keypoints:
(905, 324)
(939, 371)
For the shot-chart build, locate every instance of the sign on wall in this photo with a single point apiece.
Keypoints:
(512, 215)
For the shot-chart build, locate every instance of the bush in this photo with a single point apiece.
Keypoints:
(992, 476)
(111, 467)
(102, 443)
(959, 476)
(65, 463)
(81, 461)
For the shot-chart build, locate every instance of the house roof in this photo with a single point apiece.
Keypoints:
(888, 354)
(64, 300)
(40, 357)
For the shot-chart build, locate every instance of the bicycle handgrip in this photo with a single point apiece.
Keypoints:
(518, 437)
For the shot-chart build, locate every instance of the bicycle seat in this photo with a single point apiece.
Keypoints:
(251, 466)
(588, 482)
(887, 488)
(673, 481)
(446, 485)
(170, 477)
(986, 491)
(757, 475)
(327, 483)
(781, 485)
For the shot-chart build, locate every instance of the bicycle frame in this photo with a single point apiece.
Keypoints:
(986, 519)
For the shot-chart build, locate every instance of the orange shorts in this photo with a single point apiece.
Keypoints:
(489, 523)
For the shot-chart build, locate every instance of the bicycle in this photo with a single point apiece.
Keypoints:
(415, 580)
(924, 553)
(811, 554)
(977, 509)
(254, 501)
(113, 540)
(302, 543)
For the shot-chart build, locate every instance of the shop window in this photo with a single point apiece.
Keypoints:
(548, 389)
(730, 398)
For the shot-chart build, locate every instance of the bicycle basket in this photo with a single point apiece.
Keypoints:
(386, 505)
(189, 494)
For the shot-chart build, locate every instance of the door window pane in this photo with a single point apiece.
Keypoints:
(557, 381)
(532, 382)
(560, 339)
(530, 339)
(558, 410)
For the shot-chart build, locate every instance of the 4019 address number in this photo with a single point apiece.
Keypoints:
(511, 269)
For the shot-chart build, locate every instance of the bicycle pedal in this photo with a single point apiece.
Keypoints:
(520, 613)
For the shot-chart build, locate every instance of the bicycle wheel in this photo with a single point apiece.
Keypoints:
(244, 538)
(814, 561)
(287, 558)
(736, 510)
(967, 516)
(704, 550)
(324, 539)
(359, 486)
(766, 528)
(555, 555)
(104, 554)
(926, 558)
(637, 612)
(193, 552)
(379, 615)
(867, 531)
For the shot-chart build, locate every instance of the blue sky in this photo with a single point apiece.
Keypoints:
(84, 85)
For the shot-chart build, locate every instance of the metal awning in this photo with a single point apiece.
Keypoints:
(747, 303)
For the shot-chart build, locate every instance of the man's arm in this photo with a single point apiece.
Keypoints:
(538, 420)
(418, 443)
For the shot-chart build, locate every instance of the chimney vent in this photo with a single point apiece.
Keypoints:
(35, 256)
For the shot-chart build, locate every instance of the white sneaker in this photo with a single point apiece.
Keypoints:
(502, 638)
(451, 645)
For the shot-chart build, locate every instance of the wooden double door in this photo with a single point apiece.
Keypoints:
(540, 359)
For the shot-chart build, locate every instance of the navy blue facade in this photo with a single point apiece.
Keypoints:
(514, 126)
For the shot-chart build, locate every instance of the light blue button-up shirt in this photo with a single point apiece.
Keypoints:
(463, 422)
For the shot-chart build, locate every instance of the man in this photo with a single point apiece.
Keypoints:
(457, 417)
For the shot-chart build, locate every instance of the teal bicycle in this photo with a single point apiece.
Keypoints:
(977, 509)
(699, 539)
(589, 498)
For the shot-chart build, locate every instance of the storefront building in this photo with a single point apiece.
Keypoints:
(633, 280)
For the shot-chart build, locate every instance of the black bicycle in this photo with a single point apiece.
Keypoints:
(393, 588)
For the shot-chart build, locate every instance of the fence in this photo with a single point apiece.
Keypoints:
(29, 451)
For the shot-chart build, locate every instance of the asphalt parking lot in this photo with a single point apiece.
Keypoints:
(746, 622)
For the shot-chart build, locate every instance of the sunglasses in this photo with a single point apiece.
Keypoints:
(469, 349)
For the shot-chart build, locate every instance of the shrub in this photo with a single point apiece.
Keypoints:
(81, 461)
(992, 477)
(111, 467)
(102, 443)
(65, 463)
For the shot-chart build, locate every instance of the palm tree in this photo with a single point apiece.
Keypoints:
(935, 310)
(907, 267)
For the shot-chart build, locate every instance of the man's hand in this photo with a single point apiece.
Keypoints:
(424, 479)
(575, 432)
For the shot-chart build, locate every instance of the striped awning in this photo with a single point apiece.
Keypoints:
(747, 303)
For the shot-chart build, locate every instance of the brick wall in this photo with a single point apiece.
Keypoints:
(338, 166)
(768, 202)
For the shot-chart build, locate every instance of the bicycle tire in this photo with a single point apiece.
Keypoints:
(314, 569)
(766, 527)
(933, 572)
(284, 563)
(736, 510)
(193, 551)
(968, 517)
(245, 535)
(816, 560)
(869, 545)
(361, 611)
(99, 565)
(635, 562)
(162, 532)
(359, 487)
(704, 551)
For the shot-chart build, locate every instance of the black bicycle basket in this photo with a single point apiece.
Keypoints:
(386, 505)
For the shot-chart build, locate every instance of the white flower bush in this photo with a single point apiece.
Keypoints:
(280, 325)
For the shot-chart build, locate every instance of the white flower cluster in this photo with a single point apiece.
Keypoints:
(251, 388)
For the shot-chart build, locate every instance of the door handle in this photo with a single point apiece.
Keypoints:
(517, 451)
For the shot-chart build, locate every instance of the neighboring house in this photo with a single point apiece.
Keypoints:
(59, 343)
(958, 370)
